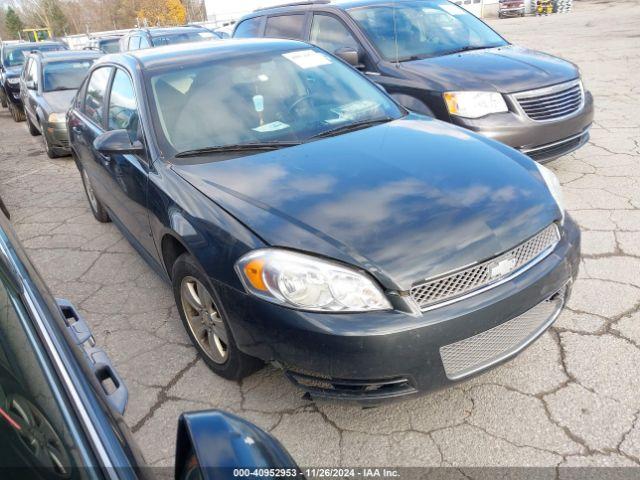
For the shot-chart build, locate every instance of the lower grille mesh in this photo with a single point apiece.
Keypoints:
(491, 271)
(475, 353)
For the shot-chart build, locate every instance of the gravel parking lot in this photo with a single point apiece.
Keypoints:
(573, 398)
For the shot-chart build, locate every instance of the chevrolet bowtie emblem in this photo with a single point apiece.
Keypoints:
(501, 267)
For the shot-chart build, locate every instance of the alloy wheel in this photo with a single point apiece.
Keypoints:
(204, 320)
(38, 435)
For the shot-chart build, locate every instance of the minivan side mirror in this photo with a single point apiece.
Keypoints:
(349, 55)
(31, 85)
(212, 444)
(117, 142)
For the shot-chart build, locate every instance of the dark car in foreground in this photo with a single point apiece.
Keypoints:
(160, 36)
(61, 399)
(306, 219)
(437, 59)
(12, 56)
(48, 84)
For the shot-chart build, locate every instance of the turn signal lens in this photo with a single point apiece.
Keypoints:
(253, 273)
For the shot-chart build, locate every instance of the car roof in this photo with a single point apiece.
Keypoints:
(156, 31)
(320, 4)
(33, 44)
(62, 55)
(159, 57)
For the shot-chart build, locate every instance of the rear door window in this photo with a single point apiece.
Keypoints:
(94, 97)
(285, 26)
(249, 28)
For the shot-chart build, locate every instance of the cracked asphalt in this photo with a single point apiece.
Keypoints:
(571, 399)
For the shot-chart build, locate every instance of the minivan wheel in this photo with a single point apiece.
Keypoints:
(3, 98)
(98, 210)
(205, 321)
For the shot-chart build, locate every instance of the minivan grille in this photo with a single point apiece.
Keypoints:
(553, 102)
(486, 273)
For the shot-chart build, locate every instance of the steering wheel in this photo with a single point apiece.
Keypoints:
(294, 105)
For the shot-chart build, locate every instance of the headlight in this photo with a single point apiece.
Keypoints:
(57, 118)
(308, 283)
(474, 104)
(13, 80)
(553, 184)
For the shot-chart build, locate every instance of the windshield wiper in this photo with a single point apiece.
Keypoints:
(236, 148)
(468, 48)
(350, 127)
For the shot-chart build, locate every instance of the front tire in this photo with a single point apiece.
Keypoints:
(97, 208)
(32, 128)
(206, 323)
(52, 152)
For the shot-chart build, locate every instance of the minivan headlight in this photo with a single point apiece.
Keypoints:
(474, 104)
(306, 282)
(553, 184)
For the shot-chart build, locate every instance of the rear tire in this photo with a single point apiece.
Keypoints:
(206, 323)
(16, 113)
(97, 208)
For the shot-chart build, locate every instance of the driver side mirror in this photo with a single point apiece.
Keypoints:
(211, 444)
(31, 85)
(117, 142)
(349, 55)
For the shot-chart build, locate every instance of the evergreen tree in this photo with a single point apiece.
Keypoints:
(13, 23)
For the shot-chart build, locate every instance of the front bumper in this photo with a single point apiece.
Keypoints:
(57, 135)
(12, 92)
(516, 129)
(377, 356)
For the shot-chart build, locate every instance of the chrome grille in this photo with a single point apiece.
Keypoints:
(491, 271)
(468, 356)
(553, 102)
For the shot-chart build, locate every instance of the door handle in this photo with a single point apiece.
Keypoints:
(104, 159)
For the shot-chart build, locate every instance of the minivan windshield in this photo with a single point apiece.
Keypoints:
(412, 30)
(275, 98)
(67, 75)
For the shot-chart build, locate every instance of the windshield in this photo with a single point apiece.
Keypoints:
(110, 46)
(182, 37)
(14, 57)
(289, 96)
(64, 75)
(422, 29)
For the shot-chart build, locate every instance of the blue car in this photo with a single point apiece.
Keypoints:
(61, 399)
(305, 219)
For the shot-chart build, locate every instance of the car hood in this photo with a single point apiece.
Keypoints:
(406, 200)
(504, 69)
(13, 72)
(59, 101)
